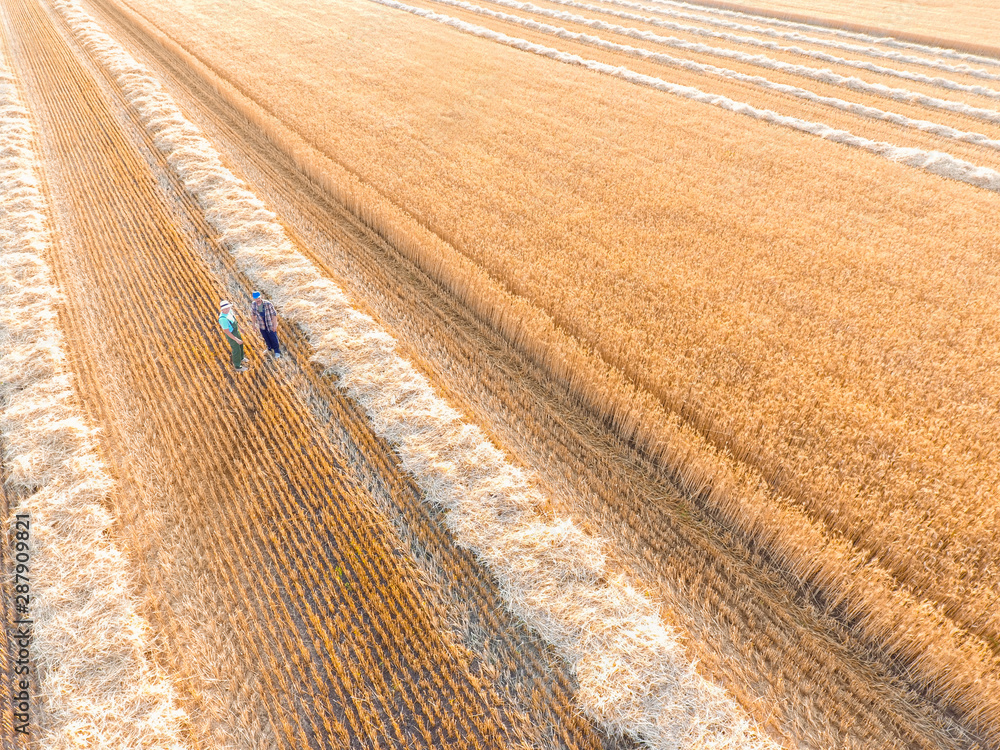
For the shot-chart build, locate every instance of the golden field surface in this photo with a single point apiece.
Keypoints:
(973, 22)
(230, 523)
(725, 286)
(822, 320)
(282, 602)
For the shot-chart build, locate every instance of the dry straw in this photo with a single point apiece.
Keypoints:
(855, 49)
(935, 162)
(799, 93)
(871, 67)
(823, 75)
(952, 666)
(634, 676)
(98, 688)
(875, 39)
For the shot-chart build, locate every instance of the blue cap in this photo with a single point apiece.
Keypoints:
(256, 295)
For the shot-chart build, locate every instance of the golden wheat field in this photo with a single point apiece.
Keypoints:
(639, 388)
(972, 23)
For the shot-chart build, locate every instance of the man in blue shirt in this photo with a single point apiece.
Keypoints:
(227, 319)
(266, 318)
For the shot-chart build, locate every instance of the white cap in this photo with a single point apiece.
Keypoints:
(224, 304)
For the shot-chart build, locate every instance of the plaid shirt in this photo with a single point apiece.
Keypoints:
(264, 315)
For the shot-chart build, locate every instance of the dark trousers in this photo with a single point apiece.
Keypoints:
(271, 339)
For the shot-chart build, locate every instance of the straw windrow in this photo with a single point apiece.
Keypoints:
(711, 13)
(97, 686)
(935, 162)
(823, 76)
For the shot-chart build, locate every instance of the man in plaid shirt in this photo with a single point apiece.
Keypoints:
(266, 319)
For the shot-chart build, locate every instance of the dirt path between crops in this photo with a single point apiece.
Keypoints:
(787, 656)
(283, 602)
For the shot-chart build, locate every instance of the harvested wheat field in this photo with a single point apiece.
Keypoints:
(640, 381)
(965, 24)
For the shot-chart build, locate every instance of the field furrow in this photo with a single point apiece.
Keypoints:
(715, 13)
(953, 86)
(83, 673)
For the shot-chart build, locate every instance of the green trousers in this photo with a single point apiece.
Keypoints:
(237, 351)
